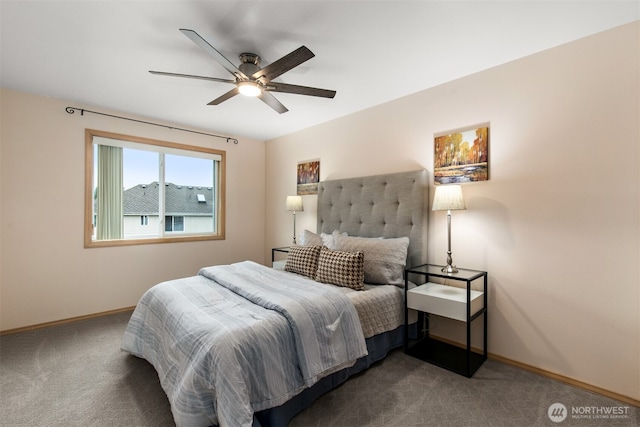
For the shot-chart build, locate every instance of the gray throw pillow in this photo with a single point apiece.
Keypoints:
(384, 259)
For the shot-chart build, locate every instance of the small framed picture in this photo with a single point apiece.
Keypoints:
(308, 177)
(461, 155)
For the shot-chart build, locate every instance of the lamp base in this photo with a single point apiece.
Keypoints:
(449, 269)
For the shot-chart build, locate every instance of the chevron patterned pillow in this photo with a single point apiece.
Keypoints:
(341, 268)
(303, 260)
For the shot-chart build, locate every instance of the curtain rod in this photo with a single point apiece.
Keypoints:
(72, 110)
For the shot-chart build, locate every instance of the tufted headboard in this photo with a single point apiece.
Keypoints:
(392, 205)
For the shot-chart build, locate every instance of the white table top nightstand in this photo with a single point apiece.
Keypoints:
(463, 304)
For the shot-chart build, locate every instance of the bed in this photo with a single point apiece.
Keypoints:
(247, 345)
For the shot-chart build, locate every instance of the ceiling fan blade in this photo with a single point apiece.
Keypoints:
(233, 92)
(284, 64)
(272, 102)
(300, 90)
(228, 65)
(189, 76)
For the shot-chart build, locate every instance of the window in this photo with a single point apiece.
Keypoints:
(173, 223)
(146, 191)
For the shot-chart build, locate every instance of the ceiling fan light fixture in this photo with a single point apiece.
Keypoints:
(251, 80)
(249, 88)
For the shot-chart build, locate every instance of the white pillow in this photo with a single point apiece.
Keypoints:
(384, 259)
(329, 240)
(309, 238)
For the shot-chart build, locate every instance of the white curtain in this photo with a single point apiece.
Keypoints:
(109, 221)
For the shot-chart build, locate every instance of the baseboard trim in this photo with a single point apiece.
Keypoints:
(566, 380)
(64, 321)
(548, 374)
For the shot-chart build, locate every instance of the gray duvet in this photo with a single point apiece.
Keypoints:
(241, 338)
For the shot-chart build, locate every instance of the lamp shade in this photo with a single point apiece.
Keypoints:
(448, 198)
(294, 203)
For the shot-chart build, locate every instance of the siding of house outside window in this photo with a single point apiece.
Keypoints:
(189, 209)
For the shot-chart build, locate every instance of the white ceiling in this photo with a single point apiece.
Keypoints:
(97, 54)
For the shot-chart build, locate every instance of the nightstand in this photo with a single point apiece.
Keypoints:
(278, 265)
(463, 304)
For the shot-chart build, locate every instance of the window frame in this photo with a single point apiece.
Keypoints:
(88, 196)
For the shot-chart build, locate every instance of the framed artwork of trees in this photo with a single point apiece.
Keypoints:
(462, 155)
(308, 174)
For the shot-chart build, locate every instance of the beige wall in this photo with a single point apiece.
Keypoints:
(47, 274)
(557, 224)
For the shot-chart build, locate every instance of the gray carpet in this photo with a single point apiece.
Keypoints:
(76, 375)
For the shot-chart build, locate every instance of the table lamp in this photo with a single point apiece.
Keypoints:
(448, 198)
(294, 204)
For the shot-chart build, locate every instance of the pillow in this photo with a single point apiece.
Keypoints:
(329, 240)
(384, 259)
(309, 238)
(303, 260)
(341, 268)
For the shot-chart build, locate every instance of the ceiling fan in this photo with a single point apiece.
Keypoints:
(250, 79)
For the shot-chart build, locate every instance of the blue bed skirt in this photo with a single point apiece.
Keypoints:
(378, 346)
